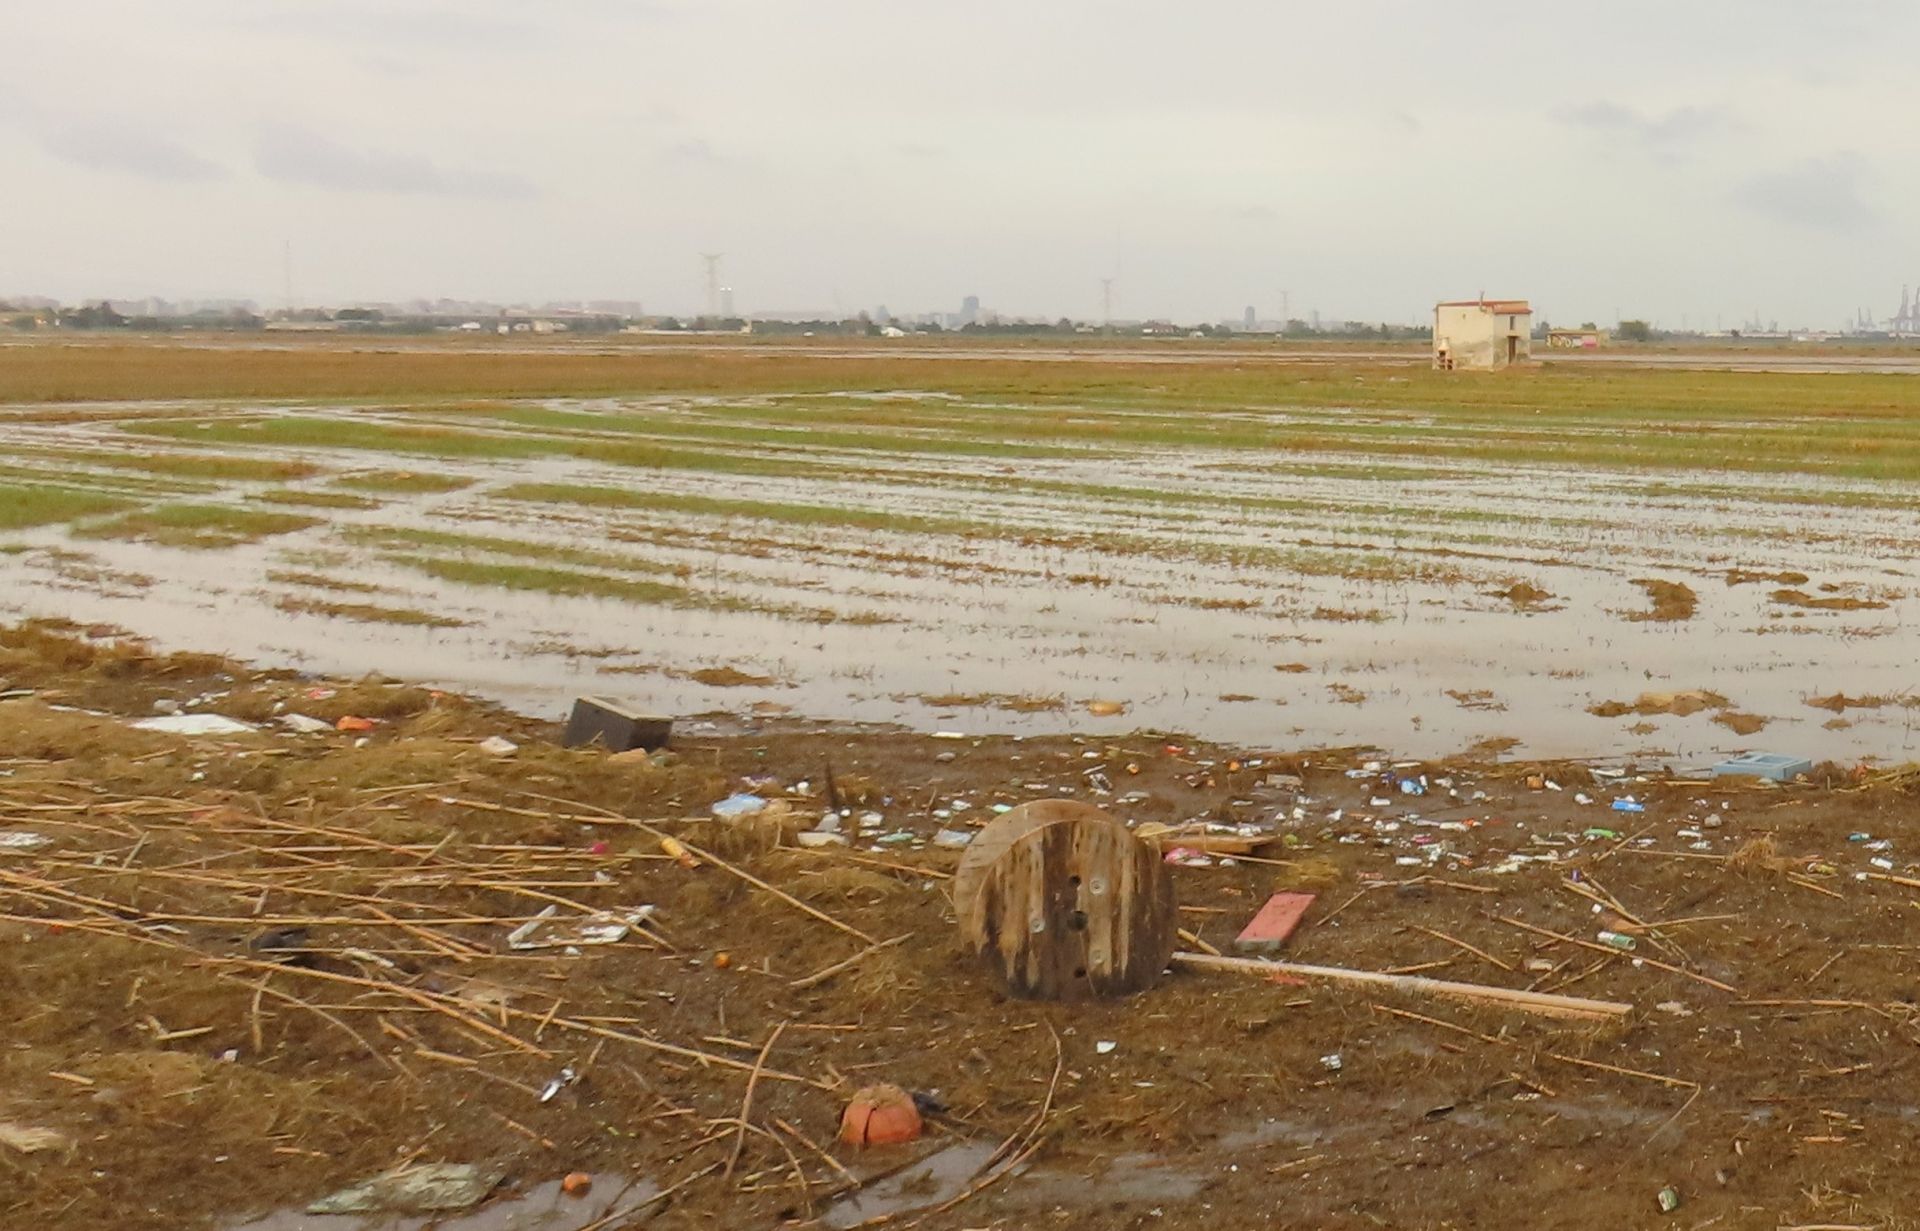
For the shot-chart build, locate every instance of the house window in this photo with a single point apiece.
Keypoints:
(1510, 322)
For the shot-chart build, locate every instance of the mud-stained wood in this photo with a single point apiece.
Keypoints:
(1066, 904)
(1002, 832)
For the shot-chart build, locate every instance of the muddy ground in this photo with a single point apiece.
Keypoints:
(241, 971)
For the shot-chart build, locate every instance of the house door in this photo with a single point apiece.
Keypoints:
(1513, 348)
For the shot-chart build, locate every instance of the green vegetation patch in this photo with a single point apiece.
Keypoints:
(32, 504)
(764, 510)
(204, 466)
(547, 580)
(433, 440)
(407, 537)
(200, 526)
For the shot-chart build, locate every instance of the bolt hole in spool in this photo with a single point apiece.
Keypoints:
(1060, 901)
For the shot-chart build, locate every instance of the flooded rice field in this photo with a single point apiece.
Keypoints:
(1264, 577)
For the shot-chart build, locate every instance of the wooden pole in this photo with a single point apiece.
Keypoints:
(1543, 1003)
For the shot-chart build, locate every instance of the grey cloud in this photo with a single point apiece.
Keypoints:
(104, 147)
(299, 156)
(1818, 193)
(1664, 134)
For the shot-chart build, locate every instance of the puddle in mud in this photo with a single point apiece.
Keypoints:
(544, 1207)
(1385, 586)
(941, 1176)
(945, 1174)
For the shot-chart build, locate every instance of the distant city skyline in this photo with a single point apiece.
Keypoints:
(1904, 320)
(1678, 163)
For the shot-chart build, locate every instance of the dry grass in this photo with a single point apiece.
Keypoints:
(367, 613)
(1761, 854)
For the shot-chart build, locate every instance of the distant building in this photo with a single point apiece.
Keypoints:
(969, 309)
(1482, 333)
(1576, 339)
(1249, 319)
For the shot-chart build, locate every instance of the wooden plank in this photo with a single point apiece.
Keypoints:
(1542, 1003)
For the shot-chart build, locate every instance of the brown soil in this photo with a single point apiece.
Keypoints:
(1800, 598)
(1012, 703)
(728, 677)
(1523, 596)
(1840, 702)
(1740, 724)
(1741, 577)
(1672, 600)
(197, 1078)
(1679, 704)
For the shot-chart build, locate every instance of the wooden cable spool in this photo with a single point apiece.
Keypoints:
(1061, 902)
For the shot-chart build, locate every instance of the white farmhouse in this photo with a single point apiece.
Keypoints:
(1482, 333)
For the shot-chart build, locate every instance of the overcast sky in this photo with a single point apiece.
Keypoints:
(1698, 160)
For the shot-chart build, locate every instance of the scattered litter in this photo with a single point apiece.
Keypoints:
(353, 722)
(818, 838)
(1106, 709)
(194, 724)
(596, 720)
(1105, 1046)
(1618, 940)
(1332, 1062)
(880, 1116)
(417, 1190)
(1773, 765)
(1675, 1008)
(498, 746)
(560, 1081)
(678, 852)
(739, 805)
(544, 931)
(1668, 1199)
(1628, 804)
(301, 724)
(576, 1184)
(952, 839)
(22, 840)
